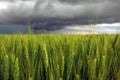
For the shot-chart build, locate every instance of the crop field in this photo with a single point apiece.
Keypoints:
(59, 57)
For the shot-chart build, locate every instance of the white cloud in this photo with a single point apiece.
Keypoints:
(3, 5)
(106, 24)
(98, 28)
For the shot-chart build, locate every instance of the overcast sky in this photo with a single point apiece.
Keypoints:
(59, 13)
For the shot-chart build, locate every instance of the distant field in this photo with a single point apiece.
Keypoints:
(60, 57)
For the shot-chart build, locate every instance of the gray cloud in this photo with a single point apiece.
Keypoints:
(60, 12)
(65, 9)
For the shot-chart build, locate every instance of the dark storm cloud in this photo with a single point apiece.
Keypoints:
(76, 2)
(55, 14)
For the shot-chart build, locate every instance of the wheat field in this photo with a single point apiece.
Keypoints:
(59, 57)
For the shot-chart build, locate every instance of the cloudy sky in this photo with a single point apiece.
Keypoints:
(60, 15)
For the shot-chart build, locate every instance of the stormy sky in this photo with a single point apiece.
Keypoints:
(53, 15)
